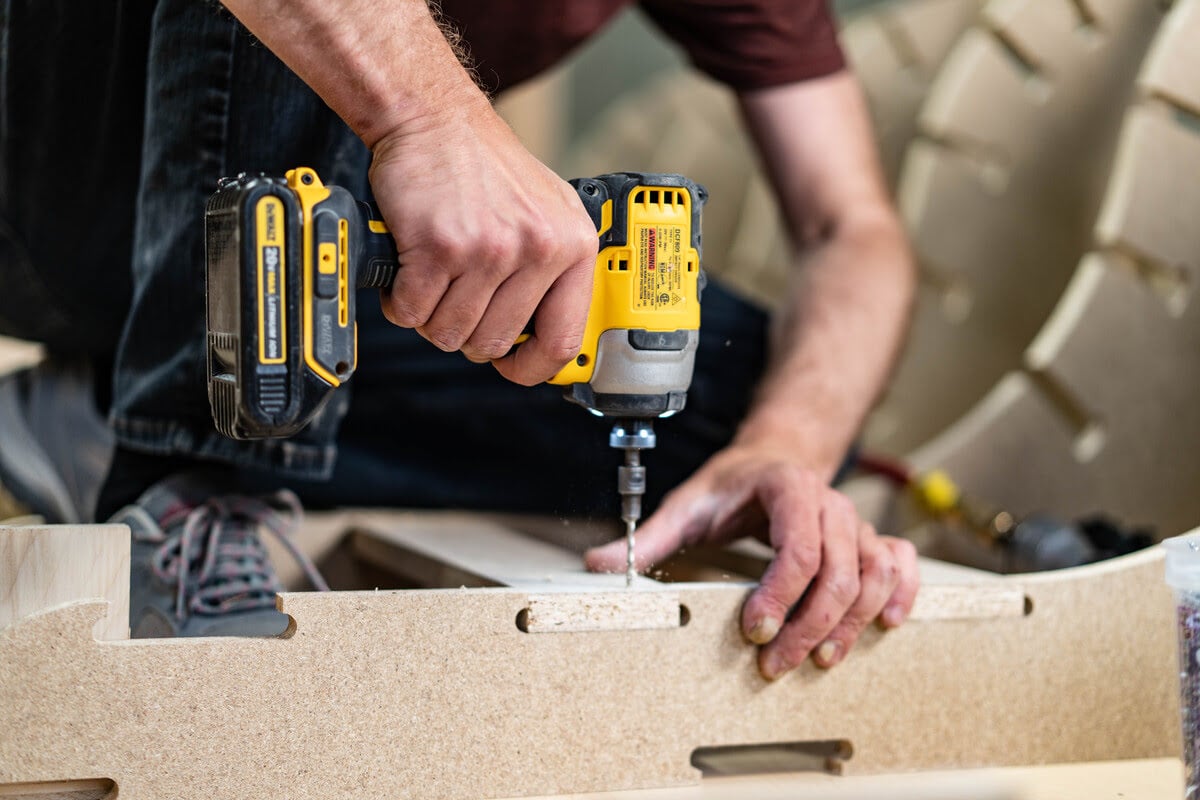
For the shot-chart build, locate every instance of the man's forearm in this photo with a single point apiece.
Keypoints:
(835, 341)
(837, 336)
(381, 65)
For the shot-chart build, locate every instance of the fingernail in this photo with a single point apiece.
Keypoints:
(773, 666)
(829, 653)
(892, 616)
(763, 631)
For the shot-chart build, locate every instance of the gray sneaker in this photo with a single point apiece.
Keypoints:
(197, 566)
(55, 447)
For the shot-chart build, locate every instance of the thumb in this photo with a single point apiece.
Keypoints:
(664, 532)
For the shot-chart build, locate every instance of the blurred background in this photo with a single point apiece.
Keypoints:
(1045, 158)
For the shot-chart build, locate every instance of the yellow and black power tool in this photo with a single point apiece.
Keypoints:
(285, 255)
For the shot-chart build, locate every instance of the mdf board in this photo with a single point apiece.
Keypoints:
(896, 49)
(440, 694)
(1000, 192)
(1103, 416)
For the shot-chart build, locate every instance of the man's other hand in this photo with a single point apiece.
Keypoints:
(847, 575)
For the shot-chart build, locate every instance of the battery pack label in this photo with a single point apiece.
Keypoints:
(271, 306)
(661, 263)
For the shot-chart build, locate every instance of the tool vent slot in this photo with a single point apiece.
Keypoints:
(658, 197)
(223, 397)
(272, 393)
(223, 347)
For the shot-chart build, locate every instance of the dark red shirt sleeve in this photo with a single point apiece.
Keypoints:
(753, 44)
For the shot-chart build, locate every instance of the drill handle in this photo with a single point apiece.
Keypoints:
(380, 262)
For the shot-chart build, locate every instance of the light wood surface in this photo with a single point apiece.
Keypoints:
(1103, 417)
(896, 49)
(43, 567)
(1000, 193)
(1146, 779)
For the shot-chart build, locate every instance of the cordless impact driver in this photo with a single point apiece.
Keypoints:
(285, 255)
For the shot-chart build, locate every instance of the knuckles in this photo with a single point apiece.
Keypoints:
(843, 587)
(840, 505)
(804, 558)
(402, 313)
(904, 550)
(488, 349)
(447, 338)
(562, 348)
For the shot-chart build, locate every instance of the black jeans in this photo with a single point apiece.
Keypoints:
(116, 120)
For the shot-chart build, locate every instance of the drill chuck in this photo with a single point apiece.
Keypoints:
(633, 436)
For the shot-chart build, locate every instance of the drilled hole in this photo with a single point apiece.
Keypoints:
(685, 615)
(523, 620)
(342, 368)
(1028, 605)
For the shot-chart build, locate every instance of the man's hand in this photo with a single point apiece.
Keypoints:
(487, 236)
(832, 574)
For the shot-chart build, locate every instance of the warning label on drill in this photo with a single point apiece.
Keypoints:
(661, 257)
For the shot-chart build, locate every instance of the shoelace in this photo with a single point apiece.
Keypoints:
(212, 553)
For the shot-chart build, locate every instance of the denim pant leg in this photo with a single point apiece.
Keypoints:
(72, 78)
(429, 429)
(217, 103)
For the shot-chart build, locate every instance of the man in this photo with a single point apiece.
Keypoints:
(489, 238)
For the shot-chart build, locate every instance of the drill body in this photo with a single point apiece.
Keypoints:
(284, 257)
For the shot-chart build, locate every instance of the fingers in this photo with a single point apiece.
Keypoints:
(901, 603)
(558, 328)
(483, 309)
(880, 575)
(833, 592)
(684, 514)
(831, 577)
(791, 501)
(414, 296)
